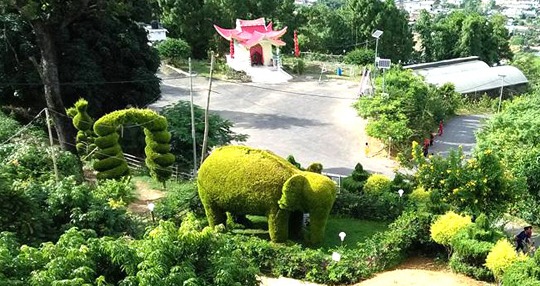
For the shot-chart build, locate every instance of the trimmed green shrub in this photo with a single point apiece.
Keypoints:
(158, 162)
(83, 123)
(446, 226)
(315, 168)
(471, 246)
(355, 182)
(384, 206)
(245, 180)
(174, 49)
(360, 57)
(384, 250)
(377, 184)
(291, 160)
(502, 256)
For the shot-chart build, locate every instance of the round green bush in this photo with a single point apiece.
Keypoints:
(377, 184)
(174, 49)
(360, 57)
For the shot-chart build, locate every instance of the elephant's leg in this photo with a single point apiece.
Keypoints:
(317, 226)
(278, 225)
(295, 224)
(214, 214)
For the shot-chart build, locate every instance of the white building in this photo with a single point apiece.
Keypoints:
(156, 34)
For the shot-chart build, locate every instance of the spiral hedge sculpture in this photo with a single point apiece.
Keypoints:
(83, 123)
(111, 162)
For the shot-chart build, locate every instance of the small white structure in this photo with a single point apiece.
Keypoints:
(156, 34)
(254, 49)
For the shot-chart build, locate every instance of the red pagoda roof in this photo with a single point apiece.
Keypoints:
(250, 32)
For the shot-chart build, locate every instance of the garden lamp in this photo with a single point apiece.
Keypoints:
(151, 207)
(336, 256)
(342, 236)
(400, 192)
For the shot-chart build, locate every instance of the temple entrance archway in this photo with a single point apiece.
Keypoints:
(256, 55)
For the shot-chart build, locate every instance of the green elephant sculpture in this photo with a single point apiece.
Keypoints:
(244, 180)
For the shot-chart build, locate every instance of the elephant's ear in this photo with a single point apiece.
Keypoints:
(292, 193)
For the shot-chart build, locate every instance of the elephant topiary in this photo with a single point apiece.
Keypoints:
(244, 180)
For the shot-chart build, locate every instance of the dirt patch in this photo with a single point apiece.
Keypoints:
(415, 277)
(416, 271)
(145, 195)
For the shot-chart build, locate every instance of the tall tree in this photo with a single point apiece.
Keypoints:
(103, 56)
(46, 19)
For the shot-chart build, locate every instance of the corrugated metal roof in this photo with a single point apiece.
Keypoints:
(469, 74)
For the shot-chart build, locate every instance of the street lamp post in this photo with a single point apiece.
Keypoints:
(377, 34)
(500, 96)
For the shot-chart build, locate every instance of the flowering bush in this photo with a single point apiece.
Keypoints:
(473, 186)
(502, 255)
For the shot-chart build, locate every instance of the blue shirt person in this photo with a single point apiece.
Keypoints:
(523, 238)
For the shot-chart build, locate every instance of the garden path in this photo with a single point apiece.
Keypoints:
(416, 271)
(145, 195)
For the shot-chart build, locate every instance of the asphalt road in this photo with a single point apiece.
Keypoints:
(312, 121)
(458, 131)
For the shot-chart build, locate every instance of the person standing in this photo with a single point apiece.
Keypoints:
(440, 128)
(366, 150)
(431, 138)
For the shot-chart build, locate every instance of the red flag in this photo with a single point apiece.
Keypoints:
(296, 48)
(232, 49)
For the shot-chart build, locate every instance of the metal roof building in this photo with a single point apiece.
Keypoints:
(469, 75)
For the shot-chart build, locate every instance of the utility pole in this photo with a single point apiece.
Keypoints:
(500, 96)
(192, 119)
(206, 124)
(48, 119)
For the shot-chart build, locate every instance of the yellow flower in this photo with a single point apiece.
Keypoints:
(487, 152)
(442, 182)
(448, 171)
(455, 191)
(15, 162)
(484, 180)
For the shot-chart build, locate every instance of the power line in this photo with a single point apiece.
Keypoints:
(24, 127)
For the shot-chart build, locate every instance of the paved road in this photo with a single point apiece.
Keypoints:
(312, 121)
(459, 131)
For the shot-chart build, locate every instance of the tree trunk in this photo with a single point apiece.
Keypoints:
(48, 70)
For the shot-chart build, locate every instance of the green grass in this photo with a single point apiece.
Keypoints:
(357, 230)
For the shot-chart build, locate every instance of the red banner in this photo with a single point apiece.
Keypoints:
(232, 48)
(296, 48)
